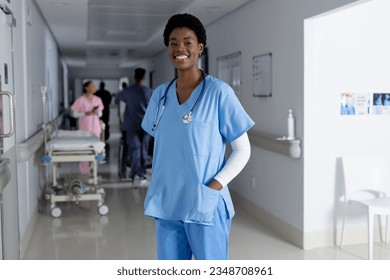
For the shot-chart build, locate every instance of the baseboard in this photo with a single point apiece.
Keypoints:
(285, 230)
(26, 237)
(319, 239)
(307, 240)
(352, 236)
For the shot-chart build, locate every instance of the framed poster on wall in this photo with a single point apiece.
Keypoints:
(229, 70)
(262, 75)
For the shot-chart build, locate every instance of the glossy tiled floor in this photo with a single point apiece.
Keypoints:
(125, 233)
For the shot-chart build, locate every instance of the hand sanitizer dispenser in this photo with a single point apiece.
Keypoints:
(290, 126)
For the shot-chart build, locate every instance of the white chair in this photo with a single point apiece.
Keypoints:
(367, 185)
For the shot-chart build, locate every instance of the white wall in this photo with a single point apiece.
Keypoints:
(345, 51)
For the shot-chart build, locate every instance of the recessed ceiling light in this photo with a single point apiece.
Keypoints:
(60, 3)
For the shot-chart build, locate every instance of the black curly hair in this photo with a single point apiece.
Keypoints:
(185, 20)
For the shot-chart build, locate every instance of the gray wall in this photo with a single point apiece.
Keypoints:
(37, 63)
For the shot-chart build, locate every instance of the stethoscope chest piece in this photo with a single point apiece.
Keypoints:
(187, 118)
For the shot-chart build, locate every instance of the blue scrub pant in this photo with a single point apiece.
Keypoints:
(177, 240)
(138, 145)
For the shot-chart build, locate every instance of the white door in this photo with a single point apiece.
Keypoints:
(9, 224)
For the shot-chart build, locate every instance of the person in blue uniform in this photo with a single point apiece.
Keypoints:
(191, 119)
(136, 97)
(346, 107)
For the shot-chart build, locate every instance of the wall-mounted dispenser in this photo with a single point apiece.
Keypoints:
(290, 126)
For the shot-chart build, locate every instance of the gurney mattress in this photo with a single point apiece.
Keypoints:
(76, 140)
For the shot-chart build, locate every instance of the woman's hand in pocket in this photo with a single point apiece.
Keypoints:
(215, 185)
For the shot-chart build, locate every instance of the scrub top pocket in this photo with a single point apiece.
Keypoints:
(199, 138)
(206, 202)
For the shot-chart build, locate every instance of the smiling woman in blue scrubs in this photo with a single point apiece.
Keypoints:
(192, 118)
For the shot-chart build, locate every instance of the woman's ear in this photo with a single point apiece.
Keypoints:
(201, 48)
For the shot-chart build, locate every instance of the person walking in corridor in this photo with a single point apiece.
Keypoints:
(106, 97)
(136, 97)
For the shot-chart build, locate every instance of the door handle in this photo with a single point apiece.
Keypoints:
(11, 113)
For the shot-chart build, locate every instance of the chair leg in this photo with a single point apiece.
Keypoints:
(387, 229)
(381, 233)
(343, 227)
(370, 234)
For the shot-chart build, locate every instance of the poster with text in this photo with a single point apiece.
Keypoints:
(354, 103)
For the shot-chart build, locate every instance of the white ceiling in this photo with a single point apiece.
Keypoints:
(119, 33)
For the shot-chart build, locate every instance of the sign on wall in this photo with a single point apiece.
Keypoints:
(262, 75)
(364, 103)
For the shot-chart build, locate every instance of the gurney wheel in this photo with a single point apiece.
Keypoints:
(56, 212)
(103, 210)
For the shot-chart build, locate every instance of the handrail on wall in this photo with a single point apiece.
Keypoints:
(27, 148)
(281, 145)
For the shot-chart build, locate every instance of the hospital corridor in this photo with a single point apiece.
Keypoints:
(122, 121)
(127, 234)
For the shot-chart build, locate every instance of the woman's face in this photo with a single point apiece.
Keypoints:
(91, 88)
(184, 49)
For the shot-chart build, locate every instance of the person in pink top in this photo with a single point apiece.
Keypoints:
(88, 109)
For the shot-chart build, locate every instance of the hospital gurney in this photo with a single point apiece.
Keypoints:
(74, 146)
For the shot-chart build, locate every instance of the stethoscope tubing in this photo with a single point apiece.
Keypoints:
(187, 117)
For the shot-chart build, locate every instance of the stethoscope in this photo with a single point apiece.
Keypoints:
(187, 118)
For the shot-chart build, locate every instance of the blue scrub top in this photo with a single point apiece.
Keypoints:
(136, 98)
(188, 156)
(347, 110)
